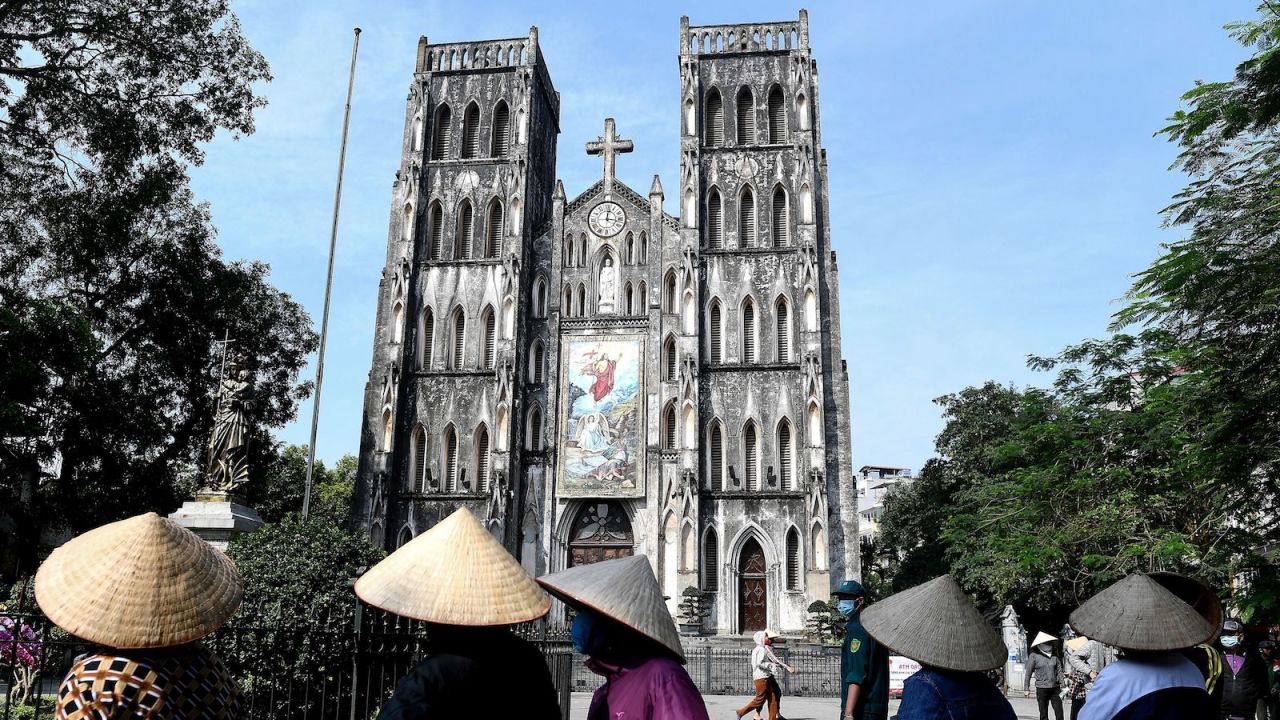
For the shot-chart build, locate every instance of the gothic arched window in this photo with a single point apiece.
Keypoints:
(459, 339)
(466, 232)
(493, 240)
(450, 459)
(418, 470)
(715, 347)
(644, 248)
(746, 106)
(710, 562)
(501, 142)
(537, 358)
(713, 134)
(488, 343)
(669, 359)
(715, 220)
(669, 426)
(426, 339)
(642, 298)
(669, 292)
(482, 458)
(534, 428)
(628, 300)
(631, 249)
(749, 331)
(442, 133)
(567, 254)
(540, 297)
(747, 218)
(777, 117)
(566, 307)
(471, 132)
(793, 560)
(716, 456)
(751, 455)
(780, 226)
(782, 317)
(435, 231)
(582, 299)
(786, 456)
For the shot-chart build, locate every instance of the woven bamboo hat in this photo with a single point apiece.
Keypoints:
(936, 624)
(624, 590)
(1196, 594)
(456, 573)
(144, 582)
(1042, 637)
(1137, 613)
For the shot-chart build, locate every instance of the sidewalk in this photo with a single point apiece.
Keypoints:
(721, 707)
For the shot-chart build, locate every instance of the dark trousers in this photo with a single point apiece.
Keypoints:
(1045, 696)
(1076, 704)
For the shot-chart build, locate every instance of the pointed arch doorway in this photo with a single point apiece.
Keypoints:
(601, 531)
(753, 588)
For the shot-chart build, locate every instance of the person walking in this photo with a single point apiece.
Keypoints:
(469, 591)
(1046, 670)
(1244, 679)
(1085, 659)
(624, 627)
(1267, 651)
(938, 626)
(864, 663)
(145, 591)
(1153, 680)
(765, 666)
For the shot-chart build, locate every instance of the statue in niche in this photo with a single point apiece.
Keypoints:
(228, 467)
(608, 284)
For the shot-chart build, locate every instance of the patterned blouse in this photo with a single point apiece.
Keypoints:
(183, 683)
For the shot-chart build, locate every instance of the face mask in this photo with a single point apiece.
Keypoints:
(1230, 641)
(846, 607)
(582, 631)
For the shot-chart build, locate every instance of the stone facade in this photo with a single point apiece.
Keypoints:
(595, 377)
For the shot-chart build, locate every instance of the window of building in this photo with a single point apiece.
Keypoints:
(710, 562)
(786, 459)
(426, 339)
(782, 314)
(534, 440)
(451, 459)
(471, 132)
(459, 339)
(501, 142)
(466, 232)
(713, 134)
(418, 471)
(493, 243)
(751, 455)
(442, 133)
(793, 560)
(747, 218)
(777, 117)
(489, 341)
(749, 331)
(435, 231)
(746, 117)
(717, 457)
(669, 426)
(540, 297)
(781, 236)
(482, 458)
(715, 220)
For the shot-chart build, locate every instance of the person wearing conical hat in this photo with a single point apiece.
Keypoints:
(765, 665)
(938, 626)
(469, 590)
(1085, 659)
(1204, 656)
(144, 590)
(864, 663)
(623, 626)
(1150, 625)
(1046, 670)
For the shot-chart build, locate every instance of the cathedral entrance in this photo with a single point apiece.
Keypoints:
(600, 532)
(753, 588)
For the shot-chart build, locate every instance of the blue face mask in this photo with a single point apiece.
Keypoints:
(846, 607)
(1230, 640)
(581, 631)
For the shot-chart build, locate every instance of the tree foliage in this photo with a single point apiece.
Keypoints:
(112, 288)
(278, 493)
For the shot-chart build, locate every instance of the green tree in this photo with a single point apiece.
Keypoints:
(112, 288)
(280, 491)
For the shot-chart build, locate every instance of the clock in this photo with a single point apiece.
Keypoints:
(607, 219)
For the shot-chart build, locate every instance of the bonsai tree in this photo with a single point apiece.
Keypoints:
(693, 609)
(826, 624)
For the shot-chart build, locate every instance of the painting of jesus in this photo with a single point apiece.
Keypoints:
(602, 416)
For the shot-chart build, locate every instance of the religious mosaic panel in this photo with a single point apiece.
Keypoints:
(602, 416)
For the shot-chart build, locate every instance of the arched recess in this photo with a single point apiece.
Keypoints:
(418, 465)
(457, 353)
(537, 360)
(471, 131)
(713, 130)
(397, 323)
(386, 429)
(516, 216)
(582, 250)
(629, 304)
(442, 133)
(642, 298)
(540, 297)
(426, 338)
(794, 561)
(780, 227)
(810, 310)
(690, 314)
(630, 248)
(688, 546)
(747, 218)
(494, 230)
(715, 220)
(746, 117)
(689, 418)
(644, 248)
(752, 559)
(582, 299)
(669, 359)
(406, 224)
(751, 455)
(785, 446)
(782, 330)
(669, 296)
(802, 111)
(715, 456)
(671, 560)
(435, 230)
(777, 116)
(503, 427)
(403, 538)
(607, 272)
(500, 143)
(449, 459)
(690, 117)
(818, 545)
(533, 429)
(483, 459)
(488, 339)
(669, 426)
(508, 318)
(715, 341)
(417, 132)
(601, 530)
(815, 425)
(806, 204)
(566, 307)
(749, 321)
(690, 212)
(566, 258)
(522, 127)
(464, 236)
(710, 561)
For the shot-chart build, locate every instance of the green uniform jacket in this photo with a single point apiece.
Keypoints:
(864, 662)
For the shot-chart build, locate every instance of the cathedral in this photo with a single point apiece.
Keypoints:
(595, 377)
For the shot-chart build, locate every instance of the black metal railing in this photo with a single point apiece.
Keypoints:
(727, 671)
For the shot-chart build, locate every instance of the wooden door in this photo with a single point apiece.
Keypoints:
(753, 589)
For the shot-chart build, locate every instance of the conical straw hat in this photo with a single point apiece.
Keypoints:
(1077, 642)
(936, 624)
(1196, 594)
(145, 582)
(623, 589)
(456, 573)
(1042, 637)
(1136, 613)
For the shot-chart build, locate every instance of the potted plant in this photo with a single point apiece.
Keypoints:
(694, 608)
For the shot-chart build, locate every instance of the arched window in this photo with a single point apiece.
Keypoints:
(715, 348)
(818, 546)
(777, 117)
(642, 298)
(406, 224)
(690, 119)
(582, 299)
(533, 441)
(690, 421)
(482, 458)
(690, 212)
(669, 426)
(537, 358)
(713, 134)
(782, 316)
(644, 248)
(471, 132)
(802, 111)
(751, 455)
(746, 106)
(567, 255)
(710, 562)
(566, 307)
(715, 220)
(466, 232)
(631, 249)
(501, 142)
(417, 132)
(749, 331)
(435, 231)
(627, 299)
(786, 457)
(690, 314)
(426, 339)
(810, 311)
(397, 323)
(540, 297)
(806, 204)
(781, 236)
(582, 250)
(669, 359)
(493, 240)
(815, 425)
(747, 218)
(418, 471)
(459, 339)
(386, 430)
(669, 293)
(716, 456)
(404, 537)
(442, 133)
(793, 560)
(489, 342)
(450, 460)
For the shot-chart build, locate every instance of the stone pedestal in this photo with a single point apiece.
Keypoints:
(217, 518)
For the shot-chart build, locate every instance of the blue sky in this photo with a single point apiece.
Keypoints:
(993, 172)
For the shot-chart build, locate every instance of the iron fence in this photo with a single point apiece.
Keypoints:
(727, 671)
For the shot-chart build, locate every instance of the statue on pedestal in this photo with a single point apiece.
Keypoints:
(228, 467)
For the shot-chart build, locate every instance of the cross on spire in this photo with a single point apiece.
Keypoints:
(609, 145)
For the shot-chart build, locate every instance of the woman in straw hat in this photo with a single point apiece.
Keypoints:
(1153, 680)
(1046, 670)
(1204, 656)
(765, 665)
(937, 625)
(624, 628)
(146, 590)
(469, 590)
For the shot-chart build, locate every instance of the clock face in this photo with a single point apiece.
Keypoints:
(607, 219)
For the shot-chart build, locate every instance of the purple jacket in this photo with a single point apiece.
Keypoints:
(656, 689)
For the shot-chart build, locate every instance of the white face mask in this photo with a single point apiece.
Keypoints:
(1230, 640)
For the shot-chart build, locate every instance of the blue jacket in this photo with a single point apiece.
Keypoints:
(936, 694)
(1148, 686)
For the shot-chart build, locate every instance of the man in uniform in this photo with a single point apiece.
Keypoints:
(864, 663)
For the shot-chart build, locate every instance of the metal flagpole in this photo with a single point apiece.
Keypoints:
(328, 283)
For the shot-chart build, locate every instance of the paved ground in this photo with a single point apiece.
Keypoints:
(721, 707)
